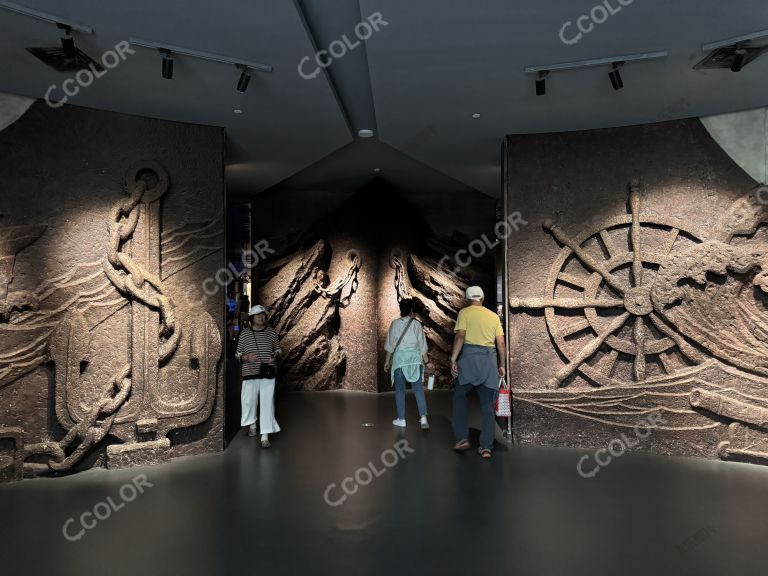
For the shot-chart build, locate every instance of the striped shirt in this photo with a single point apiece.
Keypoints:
(263, 343)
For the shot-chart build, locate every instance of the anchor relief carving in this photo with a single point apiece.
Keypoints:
(170, 380)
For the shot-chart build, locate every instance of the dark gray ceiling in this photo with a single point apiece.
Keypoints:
(287, 122)
(416, 82)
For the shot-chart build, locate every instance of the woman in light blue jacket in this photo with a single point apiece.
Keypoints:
(406, 349)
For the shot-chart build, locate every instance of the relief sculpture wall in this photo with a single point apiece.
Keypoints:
(334, 289)
(110, 355)
(643, 291)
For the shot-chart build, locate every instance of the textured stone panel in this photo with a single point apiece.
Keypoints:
(642, 292)
(138, 454)
(334, 291)
(110, 224)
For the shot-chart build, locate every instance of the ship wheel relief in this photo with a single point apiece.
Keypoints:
(598, 306)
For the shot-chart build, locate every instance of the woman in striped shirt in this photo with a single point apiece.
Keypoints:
(258, 350)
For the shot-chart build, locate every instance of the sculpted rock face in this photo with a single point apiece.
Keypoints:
(708, 293)
(305, 311)
(13, 239)
(101, 295)
(332, 300)
(439, 295)
(660, 309)
(145, 398)
(306, 316)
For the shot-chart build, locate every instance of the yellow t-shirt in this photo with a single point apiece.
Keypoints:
(482, 325)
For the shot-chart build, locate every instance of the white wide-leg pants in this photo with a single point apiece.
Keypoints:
(261, 392)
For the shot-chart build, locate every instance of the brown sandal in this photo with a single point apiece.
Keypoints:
(462, 445)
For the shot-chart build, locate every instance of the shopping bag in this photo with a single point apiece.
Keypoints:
(503, 400)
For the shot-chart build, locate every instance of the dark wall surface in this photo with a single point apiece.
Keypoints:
(637, 293)
(110, 349)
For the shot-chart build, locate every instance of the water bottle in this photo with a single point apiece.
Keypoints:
(431, 382)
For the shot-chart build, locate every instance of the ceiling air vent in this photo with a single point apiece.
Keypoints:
(733, 57)
(56, 59)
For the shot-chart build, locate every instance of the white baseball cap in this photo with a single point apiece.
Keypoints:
(258, 309)
(475, 293)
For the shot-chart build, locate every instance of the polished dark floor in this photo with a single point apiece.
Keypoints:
(525, 512)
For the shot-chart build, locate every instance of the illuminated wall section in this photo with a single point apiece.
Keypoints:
(637, 295)
(110, 349)
(333, 285)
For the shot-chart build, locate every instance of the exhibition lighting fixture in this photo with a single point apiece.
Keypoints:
(736, 40)
(67, 42)
(615, 76)
(60, 22)
(740, 50)
(245, 77)
(614, 62)
(67, 26)
(167, 64)
(739, 55)
(244, 66)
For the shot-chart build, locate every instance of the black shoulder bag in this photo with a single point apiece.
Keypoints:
(268, 371)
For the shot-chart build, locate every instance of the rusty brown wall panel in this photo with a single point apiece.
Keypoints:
(73, 328)
(602, 334)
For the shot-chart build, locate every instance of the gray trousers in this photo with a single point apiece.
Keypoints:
(478, 371)
(460, 418)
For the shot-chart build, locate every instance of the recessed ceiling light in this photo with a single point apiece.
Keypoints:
(377, 170)
(237, 111)
(476, 115)
(365, 133)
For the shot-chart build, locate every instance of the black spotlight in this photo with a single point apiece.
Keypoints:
(541, 83)
(167, 64)
(615, 76)
(245, 77)
(739, 56)
(67, 42)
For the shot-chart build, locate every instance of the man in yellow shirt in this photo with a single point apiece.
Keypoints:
(477, 362)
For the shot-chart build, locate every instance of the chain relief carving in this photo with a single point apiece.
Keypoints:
(170, 380)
